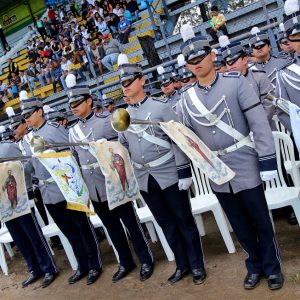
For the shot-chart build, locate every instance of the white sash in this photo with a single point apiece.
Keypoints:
(209, 116)
(294, 68)
(155, 140)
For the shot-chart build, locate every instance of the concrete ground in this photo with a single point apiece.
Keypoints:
(225, 274)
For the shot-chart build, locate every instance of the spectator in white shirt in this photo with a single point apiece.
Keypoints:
(118, 10)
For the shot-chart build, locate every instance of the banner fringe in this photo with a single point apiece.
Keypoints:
(80, 207)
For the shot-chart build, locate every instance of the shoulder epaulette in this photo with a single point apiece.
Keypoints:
(258, 71)
(103, 114)
(232, 74)
(186, 87)
(162, 99)
(289, 62)
(54, 124)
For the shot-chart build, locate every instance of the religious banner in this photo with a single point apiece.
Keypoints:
(65, 171)
(205, 159)
(115, 164)
(13, 193)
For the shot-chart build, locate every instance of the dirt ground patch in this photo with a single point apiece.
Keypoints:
(225, 274)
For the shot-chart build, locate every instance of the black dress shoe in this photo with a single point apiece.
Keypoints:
(77, 276)
(275, 282)
(122, 272)
(93, 275)
(251, 281)
(48, 279)
(199, 275)
(31, 279)
(178, 275)
(146, 271)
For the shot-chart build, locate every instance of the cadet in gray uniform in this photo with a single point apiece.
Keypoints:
(75, 225)
(288, 77)
(25, 229)
(286, 50)
(163, 173)
(93, 127)
(166, 81)
(236, 60)
(222, 109)
(261, 50)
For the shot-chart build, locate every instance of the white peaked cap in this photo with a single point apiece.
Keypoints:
(10, 111)
(281, 27)
(224, 41)
(160, 70)
(2, 129)
(181, 60)
(187, 32)
(291, 6)
(47, 109)
(23, 95)
(254, 30)
(70, 80)
(122, 59)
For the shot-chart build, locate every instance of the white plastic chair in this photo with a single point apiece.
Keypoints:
(205, 200)
(51, 230)
(284, 150)
(5, 240)
(145, 216)
(278, 194)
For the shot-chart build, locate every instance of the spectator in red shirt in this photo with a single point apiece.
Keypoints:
(51, 15)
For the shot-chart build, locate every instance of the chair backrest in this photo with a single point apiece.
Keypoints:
(50, 219)
(280, 126)
(283, 141)
(201, 181)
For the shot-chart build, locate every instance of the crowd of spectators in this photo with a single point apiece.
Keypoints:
(61, 43)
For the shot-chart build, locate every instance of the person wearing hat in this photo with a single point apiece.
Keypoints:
(186, 76)
(288, 77)
(75, 225)
(108, 104)
(222, 109)
(124, 28)
(163, 173)
(236, 59)
(166, 81)
(97, 106)
(286, 50)
(177, 82)
(92, 127)
(261, 50)
(25, 230)
(219, 63)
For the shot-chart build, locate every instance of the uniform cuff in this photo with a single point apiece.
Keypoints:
(184, 171)
(267, 163)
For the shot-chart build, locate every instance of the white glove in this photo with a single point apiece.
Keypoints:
(268, 175)
(185, 183)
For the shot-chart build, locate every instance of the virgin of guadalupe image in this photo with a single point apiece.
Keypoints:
(118, 164)
(10, 185)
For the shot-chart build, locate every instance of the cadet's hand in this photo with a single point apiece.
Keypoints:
(268, 175)
(185, 183)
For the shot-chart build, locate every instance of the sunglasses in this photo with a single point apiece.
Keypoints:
(166, 84)
(127, 83)
(233, 60)
(185, 80)
(29, 114)
(284, 42)
(293, 41)
(198, 59)
(77, 103)
(259, 46)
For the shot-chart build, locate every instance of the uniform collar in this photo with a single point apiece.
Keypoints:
(207, 88)
(139, 103)
(266, 62)
(36, 129)
(87, 118)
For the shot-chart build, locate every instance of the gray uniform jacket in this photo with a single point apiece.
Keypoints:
(288, 87)
(246, 114)
(94, 127)
(262, 86)
(52, 133)
(271, 66)
(143, 151)
(9, 149)
(173, 99)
